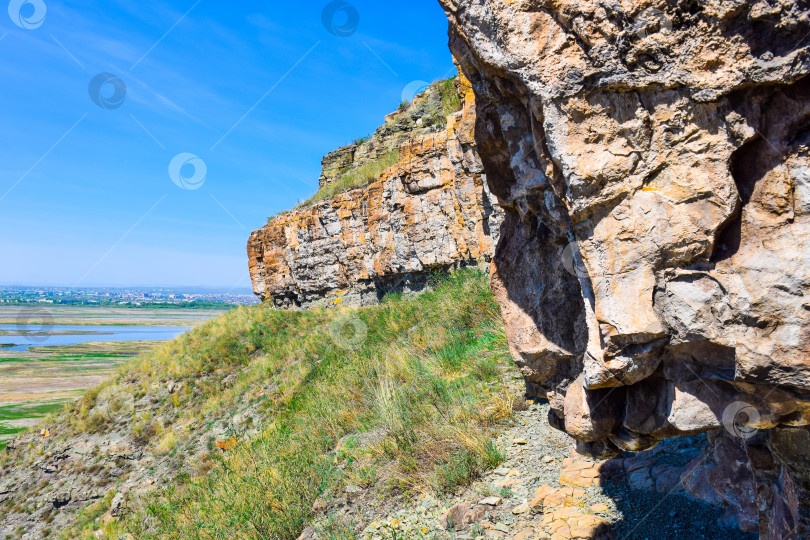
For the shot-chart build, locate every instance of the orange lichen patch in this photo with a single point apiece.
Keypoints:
(226, 444)
(547, 499)
(570, 524)
(581, 472)
(428, 210)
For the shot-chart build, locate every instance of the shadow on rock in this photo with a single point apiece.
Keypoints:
(648, 491)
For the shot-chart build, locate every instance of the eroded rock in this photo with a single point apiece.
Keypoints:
(430, 212)
(653, 160)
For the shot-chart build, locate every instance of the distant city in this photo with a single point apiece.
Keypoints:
(126, 297)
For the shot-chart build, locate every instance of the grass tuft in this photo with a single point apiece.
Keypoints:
(449, 103)
(356, 178)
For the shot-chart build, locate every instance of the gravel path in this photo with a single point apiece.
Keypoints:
(504, 503)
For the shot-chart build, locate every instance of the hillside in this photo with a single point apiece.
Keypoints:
(237, 427)
(617, 347)
(257, 399)
(405, 419)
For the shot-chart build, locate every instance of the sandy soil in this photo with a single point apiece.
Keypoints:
(15, 398)
(41, 385)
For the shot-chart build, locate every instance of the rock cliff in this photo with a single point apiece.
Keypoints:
(652, 158)
(430, 211)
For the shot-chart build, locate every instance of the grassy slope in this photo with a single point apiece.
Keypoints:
(423, 378)
(435, 115)
(354, 179)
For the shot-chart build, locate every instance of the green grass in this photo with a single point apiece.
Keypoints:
(29, 410)
(449, 103)
(464, 467)
(434, 114)
(428, 381)
(360, 140)
(356, 178)
(26, 410)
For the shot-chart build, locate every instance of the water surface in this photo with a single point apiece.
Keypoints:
(23, 339)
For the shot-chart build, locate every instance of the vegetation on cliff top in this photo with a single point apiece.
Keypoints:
(402, 397)
(355, 178)
(449, 102)
(433, 113)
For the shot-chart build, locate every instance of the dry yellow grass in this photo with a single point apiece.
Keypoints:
(425, 386)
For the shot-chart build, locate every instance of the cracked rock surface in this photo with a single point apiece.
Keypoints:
(653, 161)
(431, 211)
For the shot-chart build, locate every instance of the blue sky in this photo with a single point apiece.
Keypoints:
(259, 91)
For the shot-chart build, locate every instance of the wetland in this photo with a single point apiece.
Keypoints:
(49, 356)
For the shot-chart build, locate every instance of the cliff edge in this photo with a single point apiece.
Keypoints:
(429, 211)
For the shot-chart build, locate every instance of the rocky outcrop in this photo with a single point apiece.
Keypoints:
(411, 120)
(653, 160)
(431, 211)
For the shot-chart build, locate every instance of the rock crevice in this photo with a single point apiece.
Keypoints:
(654, 265)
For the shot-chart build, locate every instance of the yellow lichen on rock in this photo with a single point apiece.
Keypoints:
(432, 210)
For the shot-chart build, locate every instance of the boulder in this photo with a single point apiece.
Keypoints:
(653, 161)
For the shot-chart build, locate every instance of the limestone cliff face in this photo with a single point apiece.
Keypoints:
(431, 211)
(653, 161)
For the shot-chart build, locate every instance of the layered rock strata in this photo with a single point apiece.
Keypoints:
(430, 212)
(653, 160)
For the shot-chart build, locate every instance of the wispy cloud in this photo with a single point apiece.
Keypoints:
(179, 20)
(161, 100)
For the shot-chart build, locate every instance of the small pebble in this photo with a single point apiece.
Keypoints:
(521, 509)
